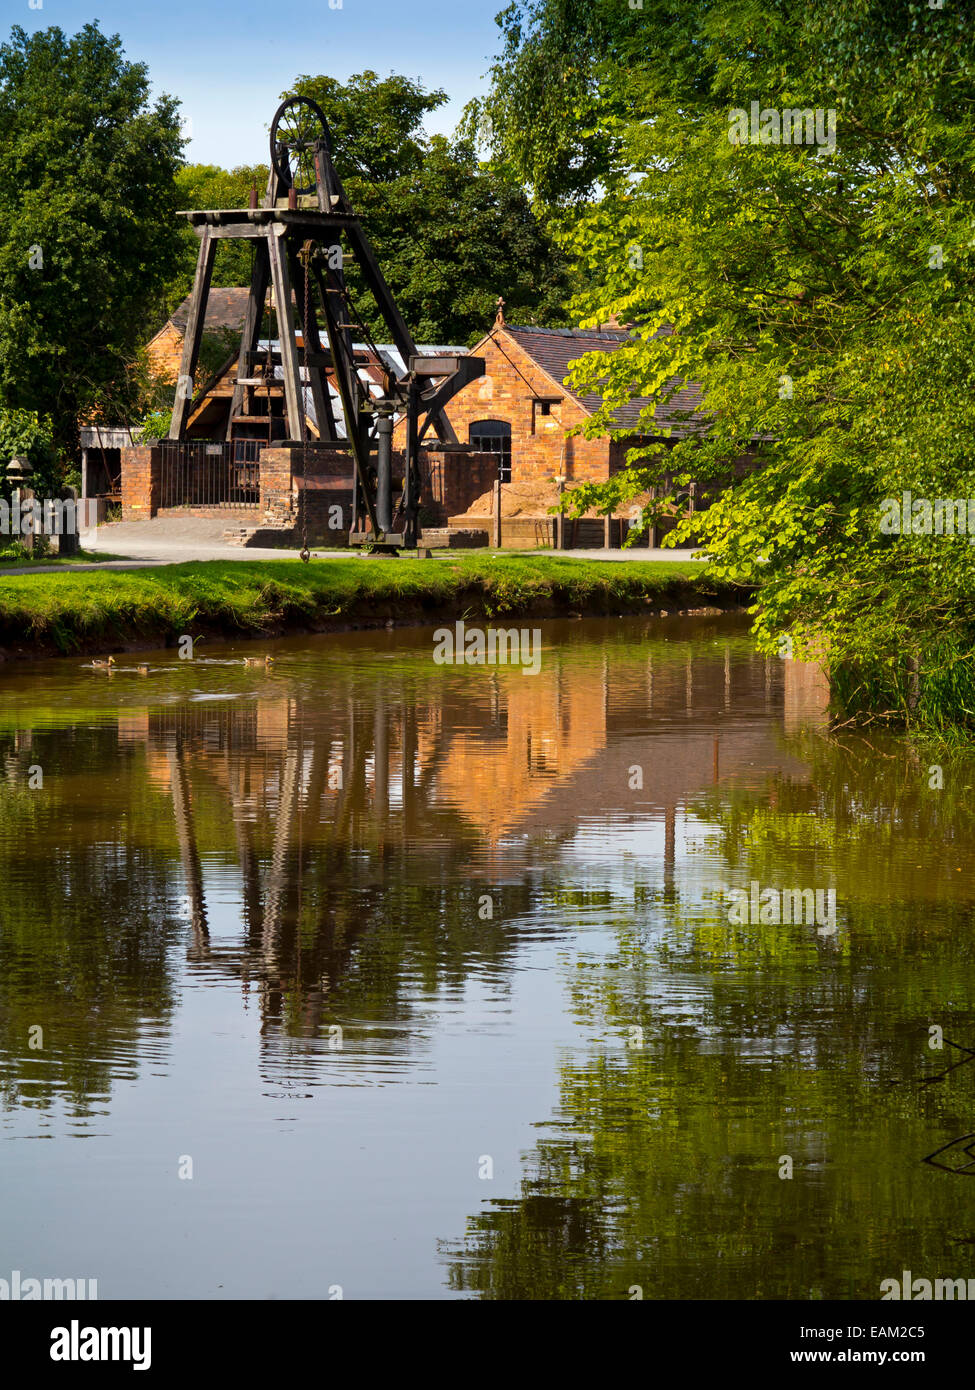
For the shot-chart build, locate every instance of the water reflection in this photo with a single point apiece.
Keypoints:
(482, 883)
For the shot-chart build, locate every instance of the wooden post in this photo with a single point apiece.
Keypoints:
(251, 332)
(194, 333)
(607, 533)
(281, 282)
(26, 495)
(560, 521)
(497, 513)
(69, 541)
(317, 379)
(652, 535)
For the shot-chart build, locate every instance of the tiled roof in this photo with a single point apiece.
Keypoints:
(554, 348)
(225, 310)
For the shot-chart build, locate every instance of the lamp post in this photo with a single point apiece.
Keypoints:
(19, 474)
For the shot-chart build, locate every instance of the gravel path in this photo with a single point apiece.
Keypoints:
(174, 540)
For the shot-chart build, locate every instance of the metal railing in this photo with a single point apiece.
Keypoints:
(200, 473)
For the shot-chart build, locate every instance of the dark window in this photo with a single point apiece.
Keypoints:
(494, 437)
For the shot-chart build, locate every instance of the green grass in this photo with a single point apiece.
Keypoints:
(27, 562)
(94, 611)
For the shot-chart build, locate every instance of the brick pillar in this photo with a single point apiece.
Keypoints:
(140, 482)
(277, 487)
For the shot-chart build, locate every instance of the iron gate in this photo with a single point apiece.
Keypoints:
(201, 473)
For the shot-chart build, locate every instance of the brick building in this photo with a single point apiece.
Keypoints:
(225, 312)
(522, 409)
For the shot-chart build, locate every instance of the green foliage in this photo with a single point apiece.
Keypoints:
(556, 111)
(87, 233)
(821, 297)
(23, 433)
(154, 426)
(208, 186)
(376, 123)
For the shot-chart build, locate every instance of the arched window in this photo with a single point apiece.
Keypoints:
(494, 437)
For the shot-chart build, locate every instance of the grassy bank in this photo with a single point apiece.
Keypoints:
(127, 610)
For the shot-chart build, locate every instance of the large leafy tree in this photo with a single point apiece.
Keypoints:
(87, 233)
(555, 113)
(821, 297)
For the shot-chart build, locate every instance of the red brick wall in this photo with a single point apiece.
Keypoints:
(140, 482)
(505, 393)
(316, 500)
(453, 478)
(165, 353)
(282, 470)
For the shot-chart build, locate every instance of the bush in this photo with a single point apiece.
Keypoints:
(24, 432)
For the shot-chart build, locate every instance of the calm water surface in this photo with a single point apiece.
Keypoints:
(427, 972)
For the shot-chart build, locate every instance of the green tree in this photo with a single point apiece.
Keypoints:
(376, 123)
(820, 295)
(25, 434)
(555, 113)
(88, 238)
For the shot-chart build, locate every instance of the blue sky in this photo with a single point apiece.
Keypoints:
(228, 62)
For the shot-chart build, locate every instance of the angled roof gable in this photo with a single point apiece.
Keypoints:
(225, 311)
(553, 349)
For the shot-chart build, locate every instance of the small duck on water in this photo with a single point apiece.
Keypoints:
(258, 660)
(104, 665)
(142, 670)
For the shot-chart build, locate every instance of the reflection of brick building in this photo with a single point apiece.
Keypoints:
(496, 774)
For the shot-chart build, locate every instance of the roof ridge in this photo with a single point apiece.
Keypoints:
(612, 334)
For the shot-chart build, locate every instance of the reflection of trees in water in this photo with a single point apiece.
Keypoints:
(85, 924)
(660, 1167)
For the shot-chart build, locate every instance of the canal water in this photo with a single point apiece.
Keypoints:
(369, 977)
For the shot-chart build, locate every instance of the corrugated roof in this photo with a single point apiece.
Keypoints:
(554, 348)
(367, 370)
